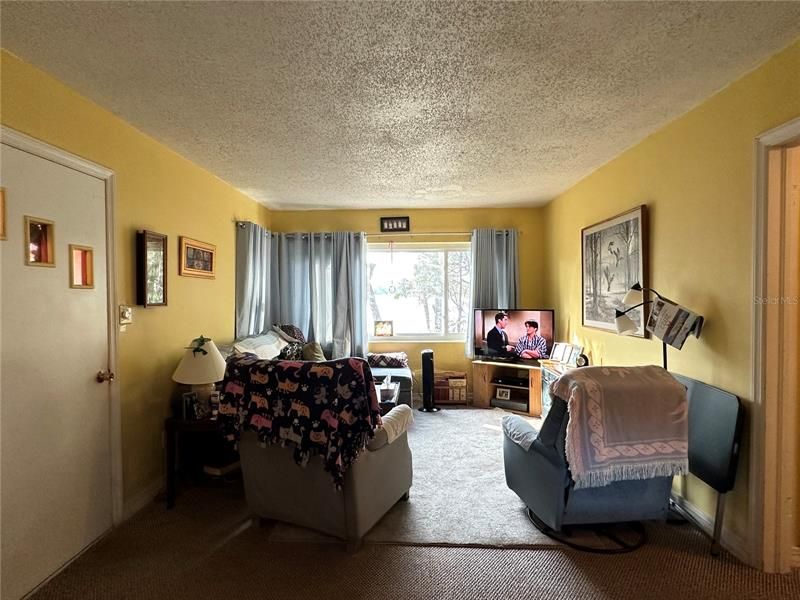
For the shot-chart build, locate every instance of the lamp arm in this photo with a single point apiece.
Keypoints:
(630, 308)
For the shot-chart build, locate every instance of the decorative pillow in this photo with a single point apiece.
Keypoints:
(266, 346)
(291, 333)
(313, 351)
(389, 360)
(292, 351)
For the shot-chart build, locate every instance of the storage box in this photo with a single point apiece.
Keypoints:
(450, 387)
(457, 395)
(441, 393)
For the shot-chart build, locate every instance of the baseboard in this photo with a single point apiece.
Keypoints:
(731, 541)
(133, 505)
(796, 557)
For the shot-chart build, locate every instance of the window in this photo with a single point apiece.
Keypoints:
(422, 289)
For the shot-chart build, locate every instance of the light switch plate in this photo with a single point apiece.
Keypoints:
(125, 314)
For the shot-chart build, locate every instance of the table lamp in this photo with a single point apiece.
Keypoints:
(201, 367)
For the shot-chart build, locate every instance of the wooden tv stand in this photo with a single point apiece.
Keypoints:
(484, 390)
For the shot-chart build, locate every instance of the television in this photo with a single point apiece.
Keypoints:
(485, 322)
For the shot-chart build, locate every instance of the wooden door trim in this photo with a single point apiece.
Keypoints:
(21, 141)
(773, 459)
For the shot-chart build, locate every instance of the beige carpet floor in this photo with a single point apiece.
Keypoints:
(459, 495)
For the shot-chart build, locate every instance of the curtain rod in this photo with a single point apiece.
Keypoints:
(242, 224)
(411, 233)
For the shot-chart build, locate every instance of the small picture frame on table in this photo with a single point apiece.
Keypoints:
(503, 393)
(384, 328)
(213, 405)
(188, 406)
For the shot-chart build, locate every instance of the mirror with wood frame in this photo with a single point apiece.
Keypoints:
(151, 269)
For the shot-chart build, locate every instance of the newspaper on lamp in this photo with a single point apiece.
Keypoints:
(672, 323)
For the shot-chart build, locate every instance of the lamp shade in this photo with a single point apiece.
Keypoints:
(634, 296)
(201, 363)
(624, 324)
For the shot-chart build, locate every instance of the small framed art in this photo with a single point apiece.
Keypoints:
(503, 393)
(197, 259)
(40, 242)
(81, 266)
(395, 224)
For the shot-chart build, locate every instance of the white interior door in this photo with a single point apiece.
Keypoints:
(56, 495)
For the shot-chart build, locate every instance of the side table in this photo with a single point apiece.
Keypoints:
(388, 395)
(173, 427)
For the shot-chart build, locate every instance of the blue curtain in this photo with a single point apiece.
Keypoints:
(316, 281)
(495, 274)
(253, 293)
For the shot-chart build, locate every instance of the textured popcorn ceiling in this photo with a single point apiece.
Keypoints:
(388, 104)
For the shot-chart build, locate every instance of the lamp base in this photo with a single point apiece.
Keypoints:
(203, 391)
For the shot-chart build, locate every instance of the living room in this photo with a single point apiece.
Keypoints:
(693, 166)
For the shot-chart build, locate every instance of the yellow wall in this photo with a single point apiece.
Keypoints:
(448, 356)
(696, 177)
(158, 190)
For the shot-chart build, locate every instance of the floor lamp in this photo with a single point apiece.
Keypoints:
(670, 322)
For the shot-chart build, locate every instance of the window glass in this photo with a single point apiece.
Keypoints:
(421, 291)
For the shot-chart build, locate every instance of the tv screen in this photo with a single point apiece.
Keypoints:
(486, 342)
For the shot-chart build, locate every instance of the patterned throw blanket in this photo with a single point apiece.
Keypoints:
(326, 408)
(624, 423)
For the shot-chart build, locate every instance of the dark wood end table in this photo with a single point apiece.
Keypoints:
(174, 426)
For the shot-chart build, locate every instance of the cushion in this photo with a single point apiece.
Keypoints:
(313, 351)
(290, 333)
(292, 351)
(394, 424)
(392, 360)
(266, 346)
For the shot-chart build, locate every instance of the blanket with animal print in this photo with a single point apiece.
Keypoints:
(326, 408)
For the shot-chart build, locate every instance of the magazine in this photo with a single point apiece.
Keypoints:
(672, 323)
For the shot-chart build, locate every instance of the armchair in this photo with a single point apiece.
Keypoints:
(536, 469)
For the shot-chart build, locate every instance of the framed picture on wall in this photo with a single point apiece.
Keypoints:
(613, 258)
(197, 259)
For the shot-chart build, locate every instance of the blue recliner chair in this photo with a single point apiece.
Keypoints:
(536, 469)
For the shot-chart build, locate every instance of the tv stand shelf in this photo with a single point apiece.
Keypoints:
(507, 385)
(522, 398)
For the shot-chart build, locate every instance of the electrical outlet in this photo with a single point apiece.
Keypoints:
(125, 314)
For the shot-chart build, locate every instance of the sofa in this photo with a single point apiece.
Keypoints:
(401, 375)
(313, 447)
(395, 366)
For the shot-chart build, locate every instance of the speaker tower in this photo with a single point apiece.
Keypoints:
(427, 382)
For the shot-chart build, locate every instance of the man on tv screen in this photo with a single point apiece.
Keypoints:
(497, 339)
(531, 345)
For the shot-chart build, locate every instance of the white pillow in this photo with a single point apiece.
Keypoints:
(266, 346)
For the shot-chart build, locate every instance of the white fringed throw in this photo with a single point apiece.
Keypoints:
(624, 423)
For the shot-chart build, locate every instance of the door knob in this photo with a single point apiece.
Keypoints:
(104, 376)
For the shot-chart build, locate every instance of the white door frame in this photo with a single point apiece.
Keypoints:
(774, 359)
(23, 142)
